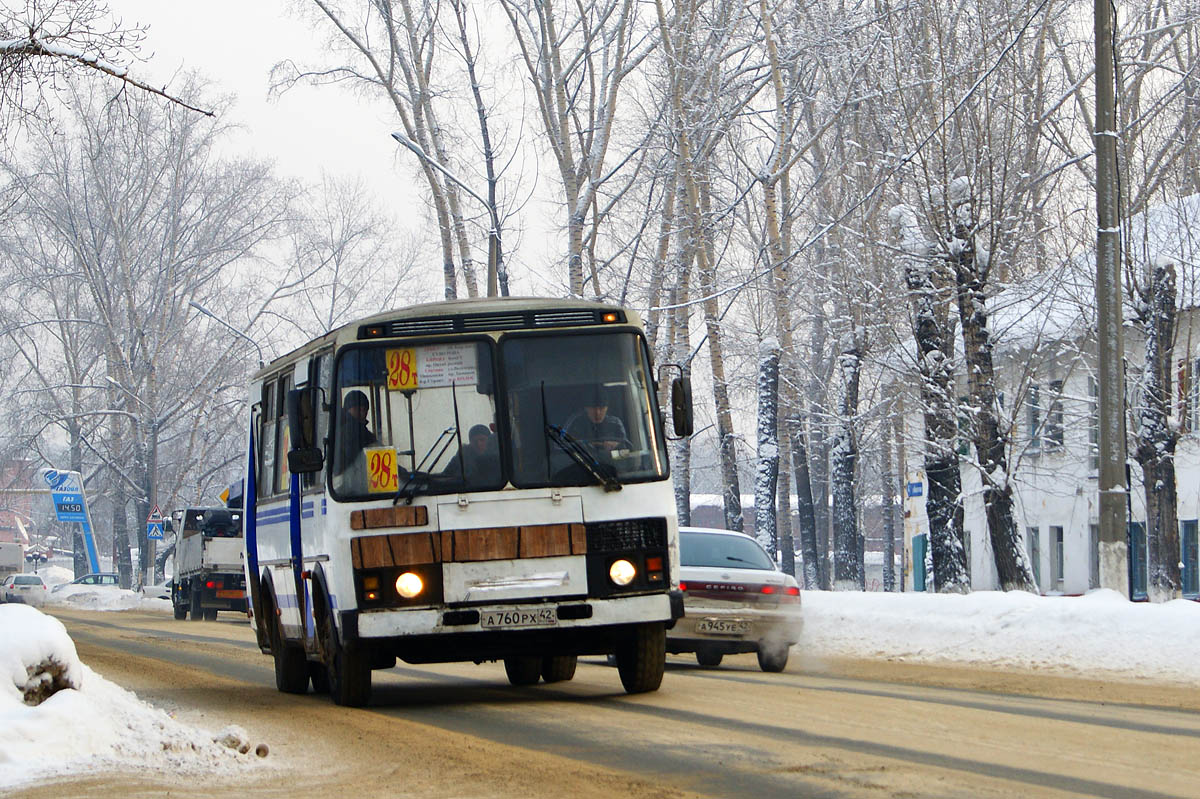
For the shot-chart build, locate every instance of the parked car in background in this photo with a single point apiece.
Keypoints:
(735, 600)
(97, 578)
(29, 589)
(158, 590)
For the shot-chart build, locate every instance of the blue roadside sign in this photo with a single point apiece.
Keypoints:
(70, 506)
(154, 525)
(916, 489)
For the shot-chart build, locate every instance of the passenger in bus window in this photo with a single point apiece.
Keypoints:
(478, 459)
(352, 433)
(594, 425)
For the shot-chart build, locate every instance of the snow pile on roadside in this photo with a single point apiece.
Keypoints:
(1099, 635)
(95, 725)
(104, 597)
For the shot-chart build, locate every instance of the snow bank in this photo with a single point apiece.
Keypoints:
(104, 597)
(1099, 635)
(95, 726)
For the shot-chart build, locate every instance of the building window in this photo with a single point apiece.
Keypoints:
(1033, 413)
(1033, 546)
(1093, 556)
(1189, 545)
(1093, 424)
(1054, 418)
(1057, 556)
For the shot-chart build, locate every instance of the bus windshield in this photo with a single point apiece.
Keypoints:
(581, 410)
(415, 412)
(423, 418)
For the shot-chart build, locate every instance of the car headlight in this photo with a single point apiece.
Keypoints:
(621, 572)
(409, 585)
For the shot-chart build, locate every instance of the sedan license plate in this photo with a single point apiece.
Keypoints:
(723, 626)
(503, 618)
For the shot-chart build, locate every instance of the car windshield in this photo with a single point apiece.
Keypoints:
(582, 410)
(722, 551)
(417, 417)
(30, 580)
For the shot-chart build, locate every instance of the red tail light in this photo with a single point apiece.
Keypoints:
(768, 589)
(213, 584)
(792, 591)
(682, 586)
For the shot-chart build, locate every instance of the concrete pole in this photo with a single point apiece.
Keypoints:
(1114, 554)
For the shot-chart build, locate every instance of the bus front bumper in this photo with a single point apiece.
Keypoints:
(542, 617)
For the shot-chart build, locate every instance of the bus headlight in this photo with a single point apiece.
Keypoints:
(621, 572)
(409, 585)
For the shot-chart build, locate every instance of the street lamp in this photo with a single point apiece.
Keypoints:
(236, 332)
(493, 234)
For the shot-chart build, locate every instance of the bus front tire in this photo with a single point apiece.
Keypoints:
(642, 658)
(523, 669)
(347, 670)
(558, 668)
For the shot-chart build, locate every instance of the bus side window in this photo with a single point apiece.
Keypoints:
(266, 444)
(283, 476)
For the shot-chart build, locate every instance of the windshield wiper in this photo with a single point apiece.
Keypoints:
(604, 473)
(411, 487)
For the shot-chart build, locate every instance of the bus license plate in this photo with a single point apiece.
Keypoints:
(723, 626)
(503, 618)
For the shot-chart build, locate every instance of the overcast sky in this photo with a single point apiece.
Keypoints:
(235, 43)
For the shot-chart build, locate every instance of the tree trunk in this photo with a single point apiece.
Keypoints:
(767, 475)
(1012, 565)
(122, 558)
(848, 573)
(934, 344)
(887, 476)
(1156, 438)
(804, 507)
(818, 446)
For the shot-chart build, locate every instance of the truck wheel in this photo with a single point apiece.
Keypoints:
(180, 611)
(210, 614)
(772, 657)
(523, 669)
(291, 667)
(197, 611)
(348, 671)
(558, 668)
(642, 658)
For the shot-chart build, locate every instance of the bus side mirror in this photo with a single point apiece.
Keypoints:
(305, 457)
(681, 406)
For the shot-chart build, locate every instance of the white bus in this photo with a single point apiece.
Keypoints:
(467, 480)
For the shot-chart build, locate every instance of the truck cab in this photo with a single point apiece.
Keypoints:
(209, 575)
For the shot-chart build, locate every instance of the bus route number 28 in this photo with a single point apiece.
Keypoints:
(381, 470)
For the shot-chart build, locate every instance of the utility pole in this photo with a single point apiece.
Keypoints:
(1110, 351)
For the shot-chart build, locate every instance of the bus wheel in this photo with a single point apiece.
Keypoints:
(642, 658)
(319, 676)
(347, 671)
(291, 668)
(523, 669)
(558, 668)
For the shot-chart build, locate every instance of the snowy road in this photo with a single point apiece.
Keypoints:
(850, 728)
